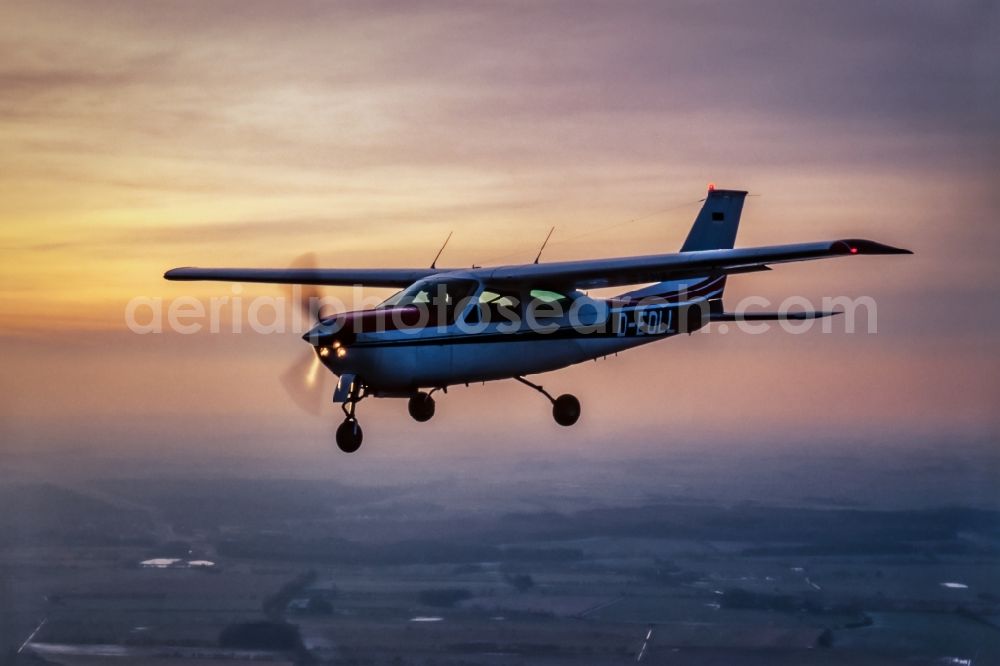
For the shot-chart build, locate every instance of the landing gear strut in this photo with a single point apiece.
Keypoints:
(565, 408)
(349, 433)
(421, 406)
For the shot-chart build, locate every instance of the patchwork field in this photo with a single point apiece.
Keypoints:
(310, 572)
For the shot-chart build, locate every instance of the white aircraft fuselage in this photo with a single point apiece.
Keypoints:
(395, 355)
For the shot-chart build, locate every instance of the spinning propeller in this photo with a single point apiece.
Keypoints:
(306, 381)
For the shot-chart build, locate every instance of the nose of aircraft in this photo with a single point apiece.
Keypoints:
(326, 332)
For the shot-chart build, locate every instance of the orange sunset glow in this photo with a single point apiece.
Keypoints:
(142, 136)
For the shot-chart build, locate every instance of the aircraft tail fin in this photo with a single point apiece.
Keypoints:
(714, 229)
(716, 225)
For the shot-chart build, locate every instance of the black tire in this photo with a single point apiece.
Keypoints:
(421, 407)
(349, 436)
(566, 410)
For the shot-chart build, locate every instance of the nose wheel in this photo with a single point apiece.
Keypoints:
(565, 408)
(349, 433)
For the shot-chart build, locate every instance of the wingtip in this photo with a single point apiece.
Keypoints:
(864, 246)
(175, 274)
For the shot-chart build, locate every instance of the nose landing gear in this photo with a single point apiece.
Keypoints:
(565, 408)
(349, 433)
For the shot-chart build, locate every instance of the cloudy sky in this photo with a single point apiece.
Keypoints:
(140, 136)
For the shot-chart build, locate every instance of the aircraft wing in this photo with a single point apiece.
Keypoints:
(598, 273)
(370, 277)
(589, 274)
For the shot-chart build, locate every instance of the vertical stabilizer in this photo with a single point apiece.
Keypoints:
(714, 229)
(716, 225)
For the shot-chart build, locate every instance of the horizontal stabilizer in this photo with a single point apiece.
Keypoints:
(771, 316)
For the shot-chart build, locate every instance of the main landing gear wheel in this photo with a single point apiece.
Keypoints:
(349, 436)
(421, 406)
(566, 409)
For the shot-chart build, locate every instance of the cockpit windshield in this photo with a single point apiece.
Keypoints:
(432, 293)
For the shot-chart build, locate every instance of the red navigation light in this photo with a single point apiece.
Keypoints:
(711, 187)
(854, 250)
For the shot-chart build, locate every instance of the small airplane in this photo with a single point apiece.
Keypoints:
(447, 327)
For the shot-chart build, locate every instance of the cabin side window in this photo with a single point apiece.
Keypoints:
(496, 305)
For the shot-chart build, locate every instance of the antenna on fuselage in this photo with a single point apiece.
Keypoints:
(544, 243)
(438, 255)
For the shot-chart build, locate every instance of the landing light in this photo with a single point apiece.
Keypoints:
(324, 351)
(341, 352)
